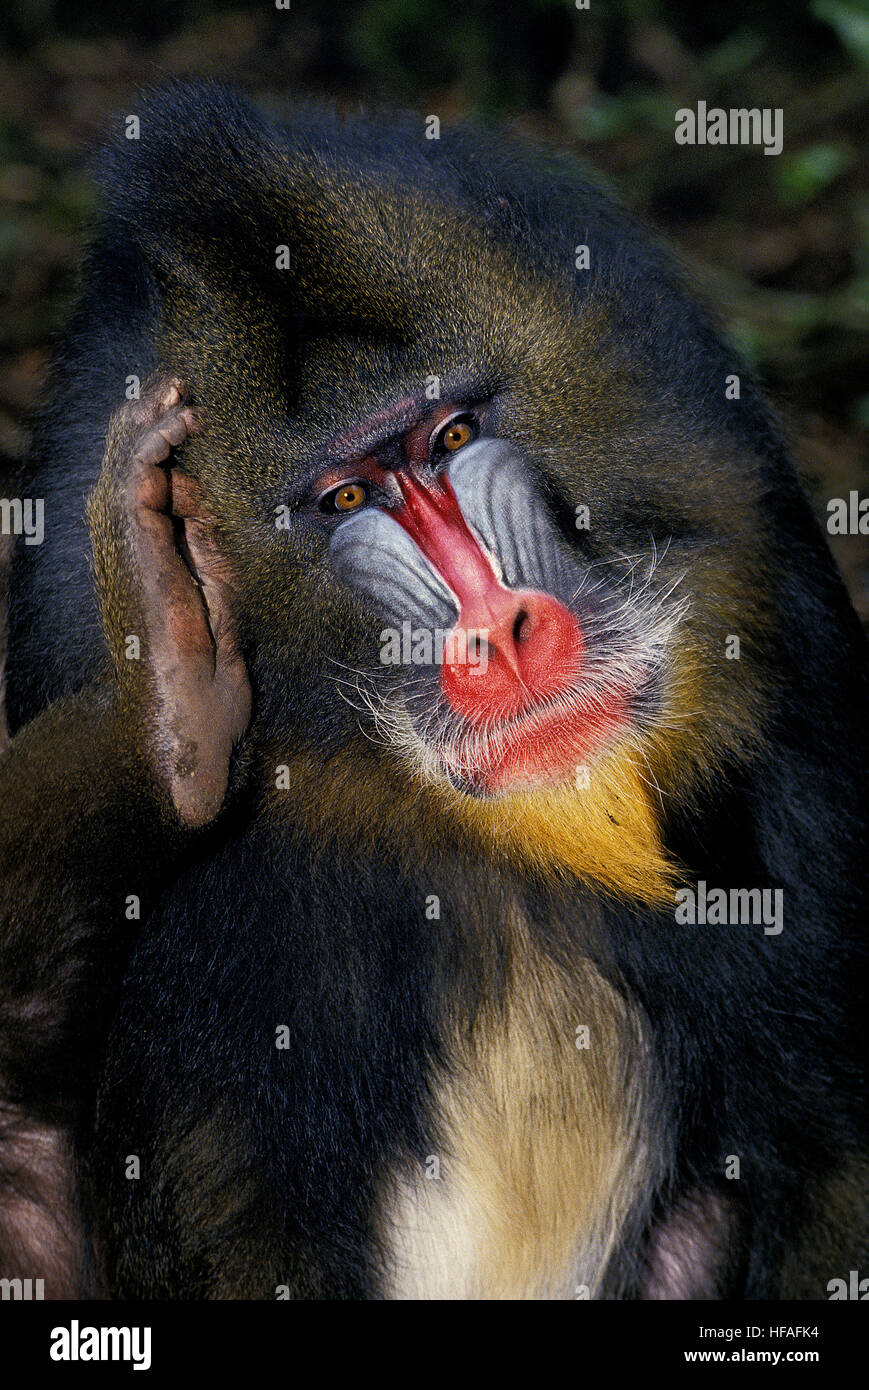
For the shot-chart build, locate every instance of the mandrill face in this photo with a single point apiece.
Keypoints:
(545, 660)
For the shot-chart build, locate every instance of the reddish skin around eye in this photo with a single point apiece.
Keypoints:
(535, 650)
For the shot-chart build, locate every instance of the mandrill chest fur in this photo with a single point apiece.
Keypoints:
(542, 1150)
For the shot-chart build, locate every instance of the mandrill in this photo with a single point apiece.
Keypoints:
(428, 616)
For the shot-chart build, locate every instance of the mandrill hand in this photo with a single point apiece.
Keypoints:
(162, 579)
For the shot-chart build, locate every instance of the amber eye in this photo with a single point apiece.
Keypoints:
(349, 497)
(455, 434)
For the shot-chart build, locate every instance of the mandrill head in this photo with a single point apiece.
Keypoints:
(519, 548)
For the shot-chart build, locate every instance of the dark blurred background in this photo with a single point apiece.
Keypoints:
(779, 244)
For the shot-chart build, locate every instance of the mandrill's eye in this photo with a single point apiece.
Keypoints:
(454, 434)
(349, 497)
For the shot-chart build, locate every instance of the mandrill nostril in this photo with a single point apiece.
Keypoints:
(522, 627)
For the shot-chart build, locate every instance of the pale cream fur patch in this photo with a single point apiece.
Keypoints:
(543, 1151)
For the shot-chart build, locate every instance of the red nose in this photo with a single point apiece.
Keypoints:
(510, 648)
(529, 647)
